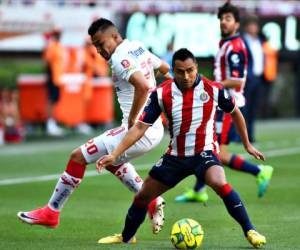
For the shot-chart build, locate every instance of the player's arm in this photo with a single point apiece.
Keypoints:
(226, 103)
(151, 112)
(163, 71)
(232, 83)
(141, 90)
(132, 136)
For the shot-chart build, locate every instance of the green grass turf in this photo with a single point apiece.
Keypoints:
(99, 206)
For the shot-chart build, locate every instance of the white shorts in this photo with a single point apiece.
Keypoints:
(109, 140)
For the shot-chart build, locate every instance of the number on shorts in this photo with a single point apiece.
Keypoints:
(91, 148)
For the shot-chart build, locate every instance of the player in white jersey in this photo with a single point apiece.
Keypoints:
(133, 72)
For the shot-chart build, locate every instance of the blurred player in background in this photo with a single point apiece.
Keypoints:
(230, 70)
(190, 103)
(133, 73)
(54, 59)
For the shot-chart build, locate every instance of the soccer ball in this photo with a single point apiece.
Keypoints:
(187, 234)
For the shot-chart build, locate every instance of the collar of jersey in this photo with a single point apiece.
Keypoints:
(231, 37)
(119, 47)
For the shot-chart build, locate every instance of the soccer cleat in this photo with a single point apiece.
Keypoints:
(156, 214)
(41, 216)
(263, 179)
(115, 239)
(256, 239)
(193, 196)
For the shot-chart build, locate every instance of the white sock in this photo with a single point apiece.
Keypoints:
(63, 189)
(129, 177)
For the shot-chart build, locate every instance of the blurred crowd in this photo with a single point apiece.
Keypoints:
(281, 7)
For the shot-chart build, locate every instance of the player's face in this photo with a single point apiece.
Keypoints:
(185, 73)
(105, 43)
(228, 25)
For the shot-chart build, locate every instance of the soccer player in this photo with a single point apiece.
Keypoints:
(230, 69)
(133, 73)
(189, 103)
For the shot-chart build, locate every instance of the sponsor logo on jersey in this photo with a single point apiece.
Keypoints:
(125, 63)
(235, 58)
(235, 73)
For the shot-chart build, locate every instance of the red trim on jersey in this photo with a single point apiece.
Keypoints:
(186, 120)
(223, 63)
(75, 169)
(226, 125)
(207, 109)
(167, 102)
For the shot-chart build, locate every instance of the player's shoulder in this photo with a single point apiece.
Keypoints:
(237, 44)
(211, 83)
(165, 84)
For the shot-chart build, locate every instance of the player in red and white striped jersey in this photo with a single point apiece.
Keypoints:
(230, 69)
(189, 103)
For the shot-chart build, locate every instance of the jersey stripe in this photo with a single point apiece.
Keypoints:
(207, 110)
(187, 107)
(167, 103)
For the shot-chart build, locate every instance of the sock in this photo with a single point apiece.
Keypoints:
(238, 163)
(66, 184)
(128, 176)
(134, 218)
(199, 185)
(235, 207)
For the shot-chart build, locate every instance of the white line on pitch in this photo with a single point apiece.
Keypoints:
(12, 181)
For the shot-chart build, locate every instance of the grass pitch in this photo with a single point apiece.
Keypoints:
(99, 206)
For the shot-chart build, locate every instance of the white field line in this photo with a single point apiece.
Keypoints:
(12, 181)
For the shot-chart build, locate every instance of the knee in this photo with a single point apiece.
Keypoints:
(77, 156)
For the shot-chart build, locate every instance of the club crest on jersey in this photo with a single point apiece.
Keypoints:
(204, 97)
(125, 63)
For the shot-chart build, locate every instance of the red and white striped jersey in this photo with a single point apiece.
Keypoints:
(231, 63)
(190, 114)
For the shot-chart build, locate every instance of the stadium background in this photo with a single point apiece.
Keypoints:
(28, 171)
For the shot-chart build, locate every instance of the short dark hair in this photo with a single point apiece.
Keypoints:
(182, 55)
(100, 24)
(229, 8)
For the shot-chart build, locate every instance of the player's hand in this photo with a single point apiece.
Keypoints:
(104, 161)
(253, 151)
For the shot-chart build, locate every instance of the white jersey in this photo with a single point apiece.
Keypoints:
(130, 57)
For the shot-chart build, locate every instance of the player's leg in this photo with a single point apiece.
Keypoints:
(126, 172)
(67, 183)
(165, 174)
(263, 173)
(215, 178)
(226, 133)
(137, 212)
(151, 189)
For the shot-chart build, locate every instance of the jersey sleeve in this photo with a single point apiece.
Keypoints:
(237, 64)
(125, 66)
(156, 62)
(225, 101)
(152, 110)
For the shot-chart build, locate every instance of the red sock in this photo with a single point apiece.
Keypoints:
(75, 169)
